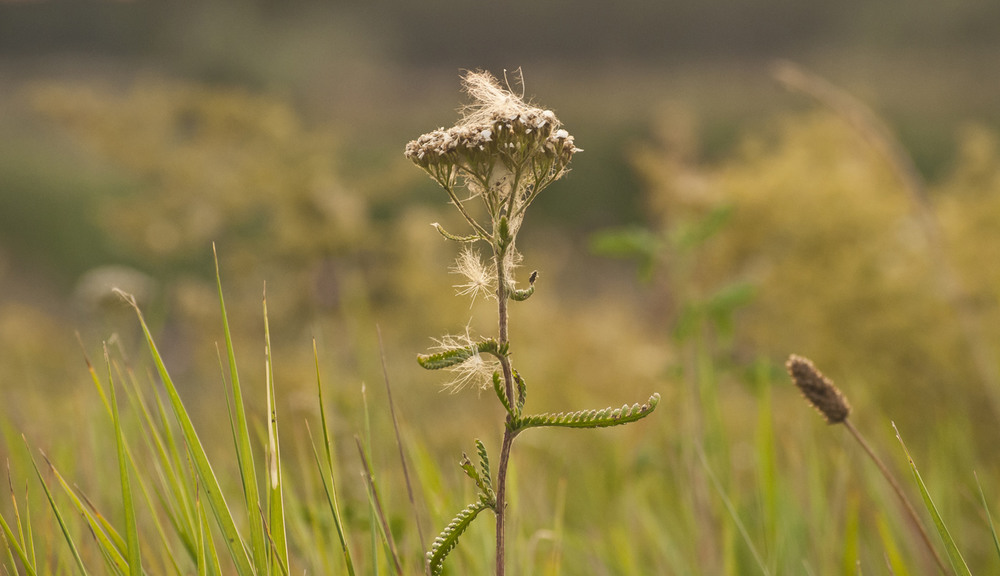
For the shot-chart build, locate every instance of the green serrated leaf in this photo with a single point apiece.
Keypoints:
(445, 359)
(522, 394)
(590, 418)
(501, 393)
(456, 356)
(448, 538)
(484, 463)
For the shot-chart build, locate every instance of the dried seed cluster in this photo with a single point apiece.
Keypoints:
(818, 389)
(503, 149)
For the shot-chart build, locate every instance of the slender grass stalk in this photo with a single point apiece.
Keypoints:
(326, 476)
(380, 520)
(832, 404)
(399, 444)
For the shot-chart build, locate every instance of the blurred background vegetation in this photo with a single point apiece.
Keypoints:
(757, 224)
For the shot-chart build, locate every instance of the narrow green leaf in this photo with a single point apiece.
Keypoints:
(399, 441)
(110, 543)
(133, 555)
(199, 457)
(59, 517)
(12, 544)
(331, 499)
(177, 506)
(276, 506)
(23, 544)
(590, 418)
(733, 514)
(375, 503)
(244, 449)
(329, 482)
(989, 518)
(954, 555)
(895, 560)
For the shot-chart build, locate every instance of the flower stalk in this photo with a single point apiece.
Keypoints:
(503, 152)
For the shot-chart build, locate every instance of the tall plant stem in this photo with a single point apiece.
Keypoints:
(508, 435)
(508, 440)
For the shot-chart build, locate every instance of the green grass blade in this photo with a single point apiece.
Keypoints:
(989, 518)
(133, 554)
(894, 559)
(177, 508)
(244, 449)
(201, 560)
(12, 544)
(954, 555)
(365, 450)
(109, 541)
(24, 544)
(208, 556)
(331, 498)
(734, 515)
(199, 457)
(59, 517)
(329, 482)
(276, 506)
(151, 437)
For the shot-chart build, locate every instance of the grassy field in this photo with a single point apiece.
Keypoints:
(697, 243)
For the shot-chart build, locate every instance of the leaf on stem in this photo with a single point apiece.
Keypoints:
(448, 538)
(590, 418)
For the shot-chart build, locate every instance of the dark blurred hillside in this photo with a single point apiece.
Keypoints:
(422, 33)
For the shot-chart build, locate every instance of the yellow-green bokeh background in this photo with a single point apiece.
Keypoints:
(135, 135)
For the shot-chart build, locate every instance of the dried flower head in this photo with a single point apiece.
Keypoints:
(503, 149)
(818, 389)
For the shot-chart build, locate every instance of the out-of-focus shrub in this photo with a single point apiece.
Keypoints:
(822, 226)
